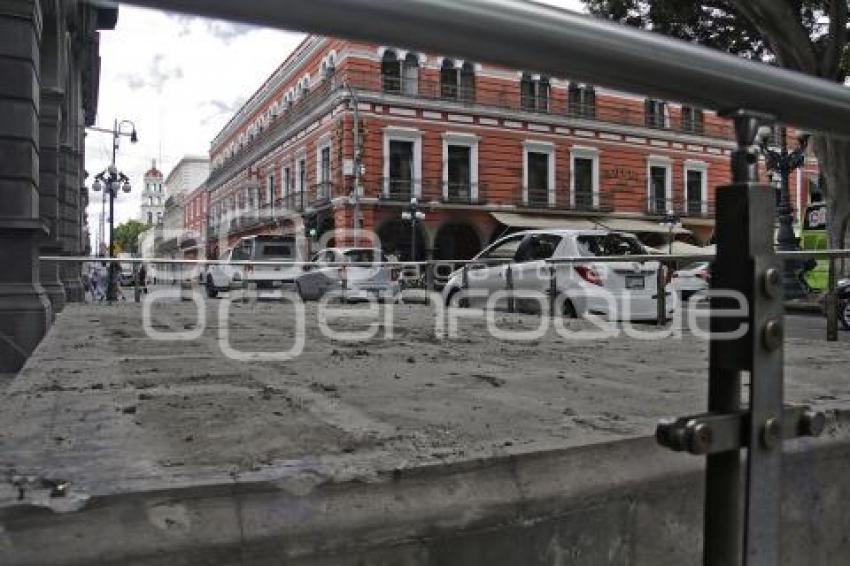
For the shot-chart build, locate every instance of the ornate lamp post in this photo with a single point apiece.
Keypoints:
(783, 162)
(111, 181)
(413, 214)
(671, 222)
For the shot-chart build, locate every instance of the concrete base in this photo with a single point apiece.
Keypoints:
(120, 448)
(72, 283)
(49, 279)
(25, 317)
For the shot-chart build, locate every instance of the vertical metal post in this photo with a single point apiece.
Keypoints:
(831, 304)
(661, 296)
(429, 277)
(509, 286)
(553, 291)
(464, 284)
(752, 270)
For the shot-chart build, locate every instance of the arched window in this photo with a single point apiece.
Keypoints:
(410, 75)
(391, 72)
(543, 90)
(528, 93)
(467, 82)
(448, 79)
(582, 100)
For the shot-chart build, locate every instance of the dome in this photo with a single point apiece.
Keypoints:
(153, 171)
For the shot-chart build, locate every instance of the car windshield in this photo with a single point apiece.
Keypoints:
(275, 251)
(608, 245)
(364, 255)
(695, 265)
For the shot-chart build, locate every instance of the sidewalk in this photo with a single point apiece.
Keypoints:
(811, 304)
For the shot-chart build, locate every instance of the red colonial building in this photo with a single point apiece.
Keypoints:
(195, 217)
(483, 149)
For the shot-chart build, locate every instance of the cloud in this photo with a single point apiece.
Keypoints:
(219, 29)
(218, 108)
(157, 76)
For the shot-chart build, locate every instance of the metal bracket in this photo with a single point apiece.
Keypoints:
(713, 433)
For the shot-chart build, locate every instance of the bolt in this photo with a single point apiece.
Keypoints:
(773, 334)
(812, 423)
(702, 436)
(772, 433)
(771, 281)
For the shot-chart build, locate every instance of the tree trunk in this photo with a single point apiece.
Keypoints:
(834, 162)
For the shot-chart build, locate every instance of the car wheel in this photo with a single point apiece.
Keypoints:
(844, 314)
(212, 293)
(300, 292)
(569, 309)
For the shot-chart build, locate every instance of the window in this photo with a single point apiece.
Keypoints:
(534, 93)
(467, 82)
(584, 185)
(402, 163)
(656, 113)
(448, 79)
(324, 172)
(504, 250)
(693, 120)
(287, 181)
(538, 247)
(612, 244)
(391, 72)
(150, 217)
(659, 188)
(696, 188)
(538, 177)
(270, 188)
(582, 101)
(459, 171)
(401, 168)
(410, 75)
(538, 173)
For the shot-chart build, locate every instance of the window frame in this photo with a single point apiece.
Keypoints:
(396, 133)
(702, 168)
(462, 140)
(539, 146)
(666, 163)
(591, 153)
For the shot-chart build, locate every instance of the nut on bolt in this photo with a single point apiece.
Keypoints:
(812, 423)
(701, 437)
(771, 433)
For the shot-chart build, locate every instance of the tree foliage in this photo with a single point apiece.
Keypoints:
(810, 36)
(126, 236)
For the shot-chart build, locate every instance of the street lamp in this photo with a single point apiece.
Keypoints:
(413, 215)
(671, 222)
(110, 182)
(782, 162)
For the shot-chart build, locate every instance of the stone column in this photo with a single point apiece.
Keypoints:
(25, 311)
(51, 114)
(70, 213)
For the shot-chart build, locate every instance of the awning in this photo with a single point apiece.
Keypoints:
(637, 226)
(698, 222)
(544, 222)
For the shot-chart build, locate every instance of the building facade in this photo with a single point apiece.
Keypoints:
(152, 206)
(193, 242)
(483, 149)
(49, 56)
(189, 173)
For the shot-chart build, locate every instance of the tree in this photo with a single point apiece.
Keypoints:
(126, 236)
(810, 36)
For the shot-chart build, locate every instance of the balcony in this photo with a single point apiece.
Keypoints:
(397, 190)
(579, 202)
(680, 207)
(555, 103)
(462, 193)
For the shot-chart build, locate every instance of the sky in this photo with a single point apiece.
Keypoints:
(179, 79)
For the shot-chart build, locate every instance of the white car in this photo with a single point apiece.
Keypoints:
(267, 280)
(330, 274)
(691, 279)
(624, 290)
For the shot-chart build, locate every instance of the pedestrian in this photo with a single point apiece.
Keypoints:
(97, 284)
(143, 279)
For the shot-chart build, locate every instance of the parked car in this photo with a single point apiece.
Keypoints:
(126, 275)
(691, 279)
(268, 280)
(583, 288)
(350, 282)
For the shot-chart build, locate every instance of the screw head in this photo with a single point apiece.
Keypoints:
(773, 334)
(771, 282)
